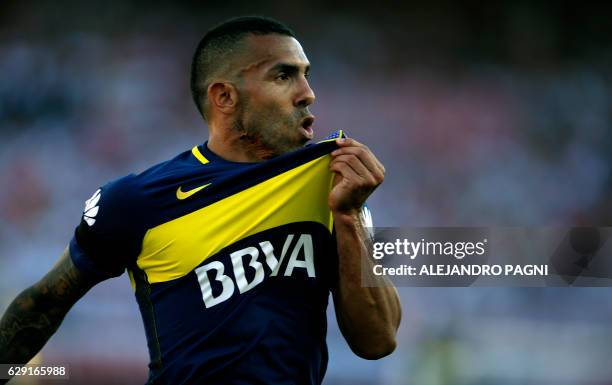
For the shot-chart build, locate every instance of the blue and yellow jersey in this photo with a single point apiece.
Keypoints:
(232, 263)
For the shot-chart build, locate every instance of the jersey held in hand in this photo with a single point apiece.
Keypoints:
(232, 263)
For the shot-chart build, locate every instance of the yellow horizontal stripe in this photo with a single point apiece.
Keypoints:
(173, 249)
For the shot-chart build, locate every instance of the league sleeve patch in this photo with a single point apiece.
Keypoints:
(109, 234)
(91, 208)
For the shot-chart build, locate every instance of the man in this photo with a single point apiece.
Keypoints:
(233, 247)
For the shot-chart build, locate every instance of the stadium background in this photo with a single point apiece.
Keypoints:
(484, 114)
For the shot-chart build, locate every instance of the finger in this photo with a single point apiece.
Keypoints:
(348, 142)
(356, 174)
(345, 143)
(349, 176)
(360, 169)
(366, 157)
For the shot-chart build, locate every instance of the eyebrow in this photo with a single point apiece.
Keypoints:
(288, 68)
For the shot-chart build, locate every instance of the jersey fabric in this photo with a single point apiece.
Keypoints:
(232, 263)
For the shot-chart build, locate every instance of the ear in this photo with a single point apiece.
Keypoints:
(223, 97)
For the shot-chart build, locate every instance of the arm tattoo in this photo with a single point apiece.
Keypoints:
(36, 313)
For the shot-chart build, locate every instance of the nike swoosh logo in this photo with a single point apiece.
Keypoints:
(180, 194)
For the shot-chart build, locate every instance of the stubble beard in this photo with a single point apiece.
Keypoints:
(268, 131)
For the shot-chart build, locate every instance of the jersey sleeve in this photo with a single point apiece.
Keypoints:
(108, 238)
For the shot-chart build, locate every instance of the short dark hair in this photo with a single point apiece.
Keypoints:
(218, 42)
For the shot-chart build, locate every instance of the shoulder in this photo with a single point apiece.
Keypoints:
(131, 192)
(114, 205)
(107, 237)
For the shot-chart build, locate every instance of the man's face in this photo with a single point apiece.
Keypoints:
(274, 94)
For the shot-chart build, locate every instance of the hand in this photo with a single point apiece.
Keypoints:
(358, 174)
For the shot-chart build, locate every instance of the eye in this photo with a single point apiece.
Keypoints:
(282, 76)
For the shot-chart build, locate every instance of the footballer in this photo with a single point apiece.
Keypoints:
(233, 246)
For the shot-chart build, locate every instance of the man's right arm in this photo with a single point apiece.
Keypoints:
(36, 313)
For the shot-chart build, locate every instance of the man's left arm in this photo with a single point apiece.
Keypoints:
(367, 316)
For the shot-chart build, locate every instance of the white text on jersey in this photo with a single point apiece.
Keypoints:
(303, 248)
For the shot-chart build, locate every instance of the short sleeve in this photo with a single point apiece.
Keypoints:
(109, 236)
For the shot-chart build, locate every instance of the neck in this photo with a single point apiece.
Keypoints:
(237, 147)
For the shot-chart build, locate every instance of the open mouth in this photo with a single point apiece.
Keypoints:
(307, 124)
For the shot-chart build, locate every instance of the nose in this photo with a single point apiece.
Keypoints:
(305, 96)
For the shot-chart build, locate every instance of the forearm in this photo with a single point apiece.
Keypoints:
(369, 316)
(36, 313)
(26, 326)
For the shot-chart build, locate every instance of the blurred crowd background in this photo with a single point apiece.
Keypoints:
(492, 114)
